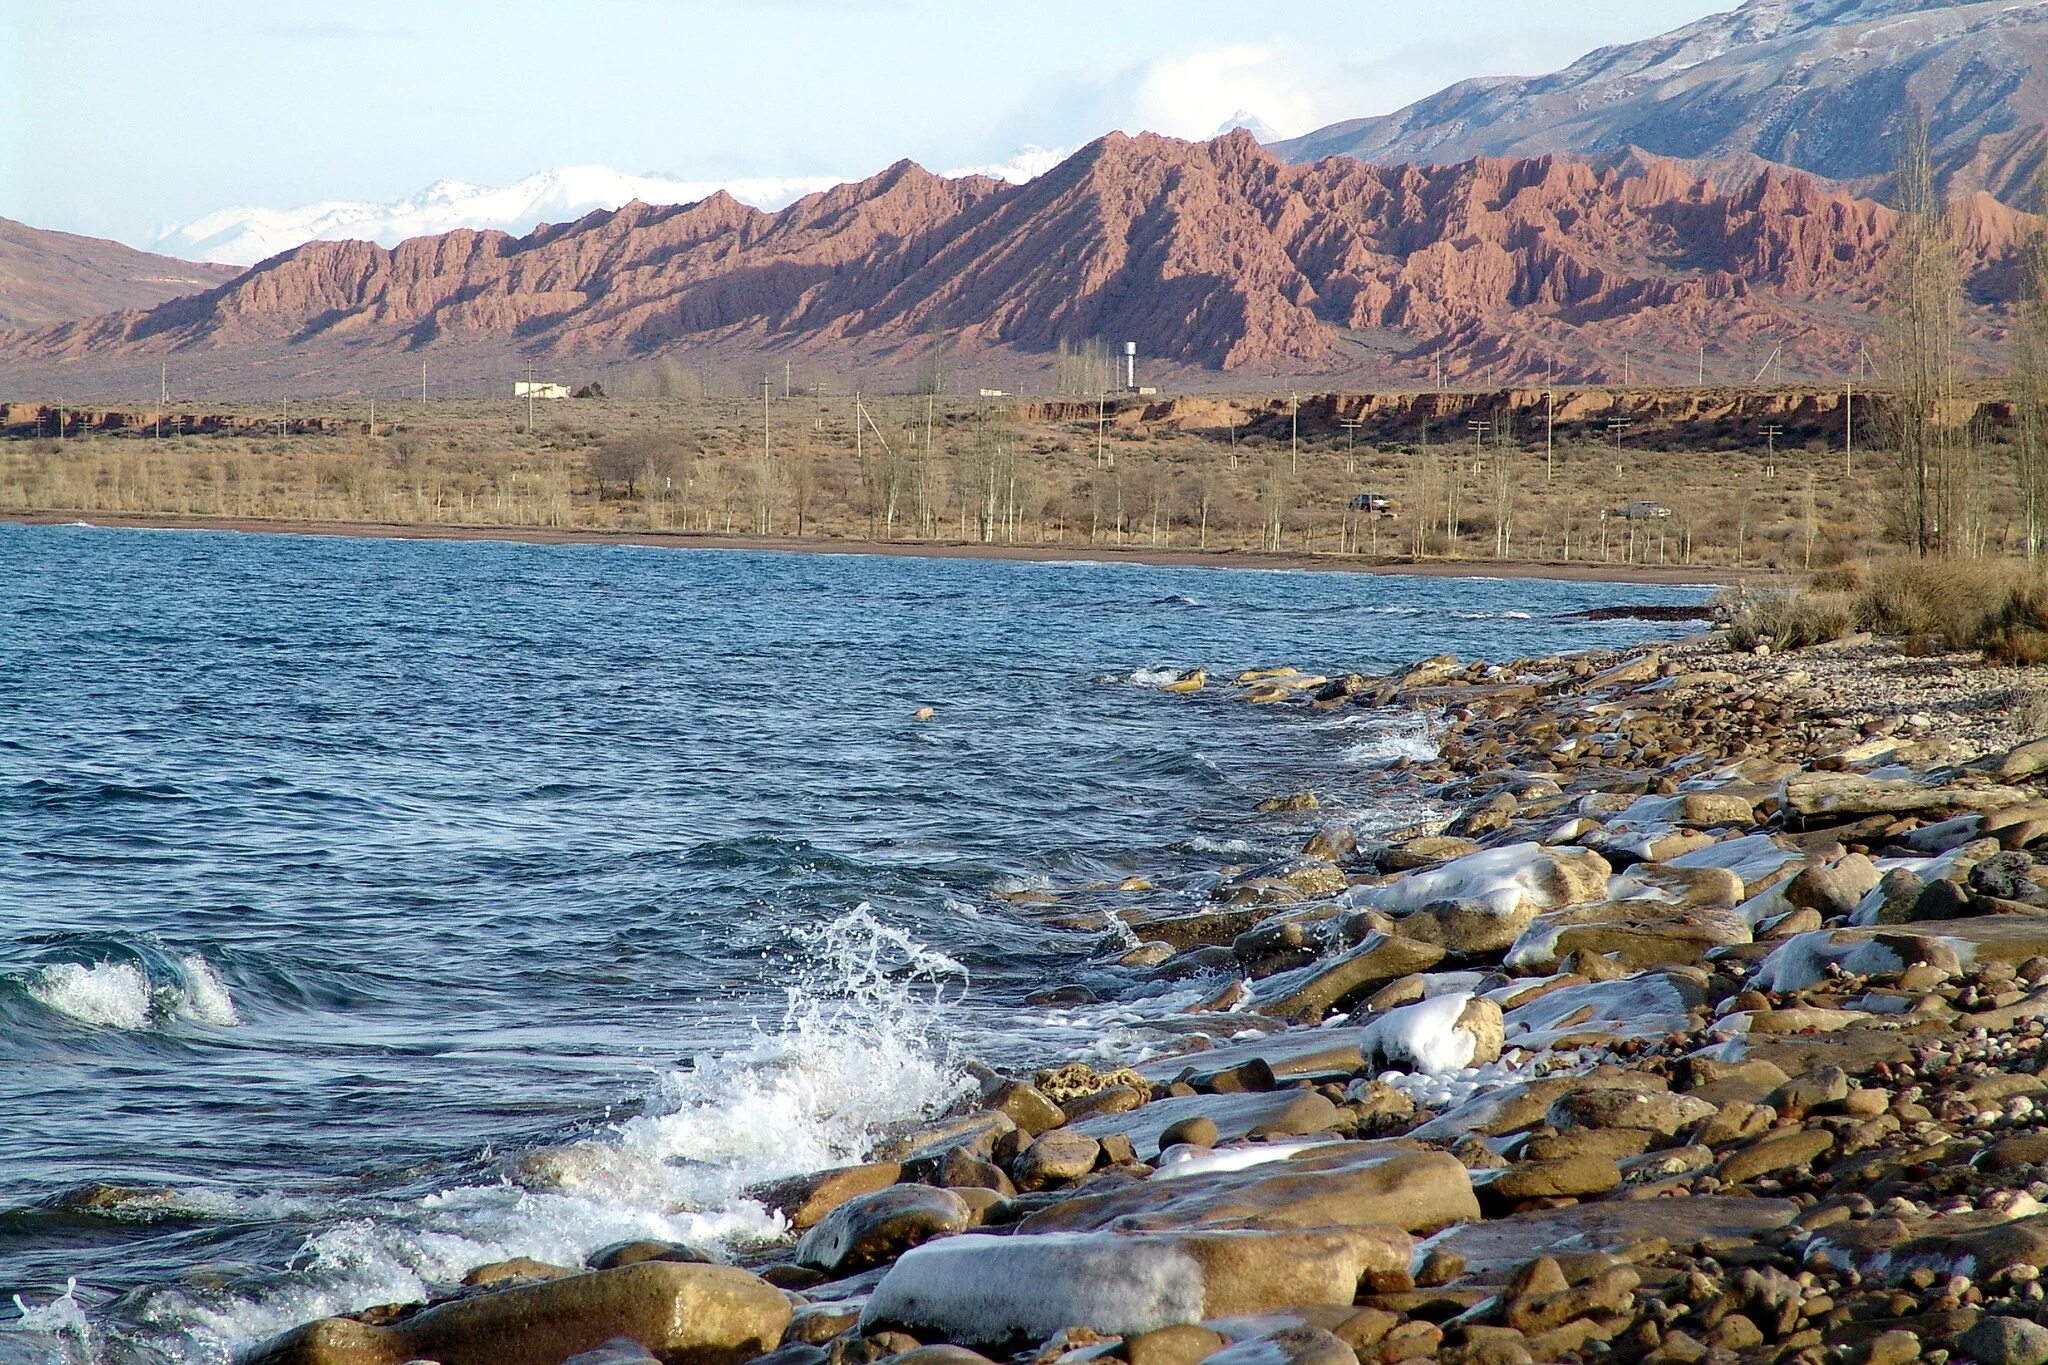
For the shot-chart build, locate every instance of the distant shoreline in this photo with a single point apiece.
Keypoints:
(1650, 574)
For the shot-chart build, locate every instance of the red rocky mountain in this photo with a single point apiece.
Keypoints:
(48, 277)
(1214, 255)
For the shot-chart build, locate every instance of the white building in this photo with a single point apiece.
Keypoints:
(538, 388)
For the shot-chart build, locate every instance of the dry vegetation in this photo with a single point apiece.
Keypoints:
(974, 471)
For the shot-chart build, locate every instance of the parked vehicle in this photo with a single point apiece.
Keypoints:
(1373, 502)
(1644, 509)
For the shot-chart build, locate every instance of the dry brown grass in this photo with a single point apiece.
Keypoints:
(963, 470)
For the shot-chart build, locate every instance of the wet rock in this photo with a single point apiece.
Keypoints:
(1635, 933)
(1509, 1108)
(981, 1289)
(519, 1268)
(1055, 1158)
(1197, 1131)
(1468, 927)
(1115, 1099)
(1331, 843)
(804, 1200)
(1275, 1113)
(1027, 1108)
(682, 1314)
(1309, 993)
(817, 1323)
(1510, 878)
(632, 1253)
(1356, 1184)
(1427, 851)
(874, 1228)
(1185, 1344)
(1289, 1346)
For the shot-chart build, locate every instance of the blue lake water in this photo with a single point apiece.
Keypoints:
(373, 909)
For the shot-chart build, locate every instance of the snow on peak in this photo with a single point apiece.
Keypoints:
(1251, 123)
(246, 234)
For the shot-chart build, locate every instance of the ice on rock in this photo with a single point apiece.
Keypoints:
(1507, 880)
(985, 1289)
(1441, 1034)
(1755, 858)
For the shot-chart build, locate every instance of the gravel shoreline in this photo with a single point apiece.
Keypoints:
(1705, 1025)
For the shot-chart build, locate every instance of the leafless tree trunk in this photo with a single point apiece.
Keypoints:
(1922, 306)
(2030, 382)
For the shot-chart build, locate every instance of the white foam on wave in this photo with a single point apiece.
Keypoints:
(58, 1327)
(1388, 742)
(863, 1047)
(1154, 677)
(120, 995)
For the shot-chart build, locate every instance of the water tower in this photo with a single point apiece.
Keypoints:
(1130, 365)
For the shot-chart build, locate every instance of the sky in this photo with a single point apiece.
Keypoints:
(118, 118)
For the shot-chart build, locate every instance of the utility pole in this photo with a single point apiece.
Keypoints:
(1101, 409)
(766, 383)
(1624, 369)
(1294, 439)
(423, 383)
(1617, 425)
(1772, 432)
(785, 379)
(1703, 365)
(1549, 434)
(163, 395)
(1848, 427)
(529, 400)
(1350, 425)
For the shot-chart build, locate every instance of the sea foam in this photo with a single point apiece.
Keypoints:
(121, 995)
(863, 1048)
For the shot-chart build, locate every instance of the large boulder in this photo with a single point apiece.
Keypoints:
(683, 1314)
(1843, 796)
(1636, 933)
(1308, 993)
(1441, 1034)
(877, 1227)
(995, 1290)
(1273, 1113)
(1350, 1184)
(1509, 879)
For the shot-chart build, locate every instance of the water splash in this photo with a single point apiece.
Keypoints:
(121, 995)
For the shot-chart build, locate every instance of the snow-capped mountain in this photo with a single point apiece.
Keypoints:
(1251, 123)
(246, 234)
(1817, 84)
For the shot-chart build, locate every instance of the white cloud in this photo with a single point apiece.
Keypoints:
(1192, 94)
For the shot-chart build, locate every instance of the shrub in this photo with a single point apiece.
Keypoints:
(1953, 604)
(1791, 620)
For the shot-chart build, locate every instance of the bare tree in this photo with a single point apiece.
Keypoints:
(1922, 309)
(2030, 381)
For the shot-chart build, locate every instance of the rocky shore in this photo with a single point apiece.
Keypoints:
(1705, 1026)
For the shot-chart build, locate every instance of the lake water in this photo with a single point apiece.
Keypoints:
(373, 909)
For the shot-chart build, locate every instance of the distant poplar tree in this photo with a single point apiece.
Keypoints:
(2030, 378)
(1922, 312)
